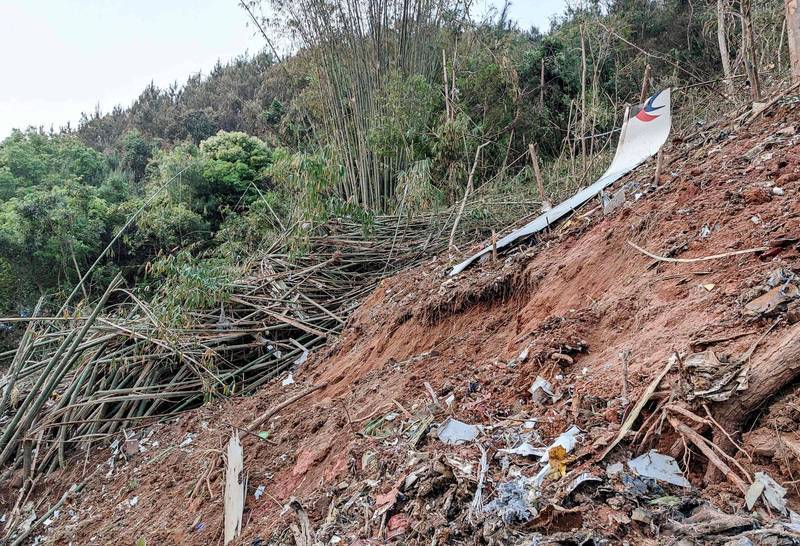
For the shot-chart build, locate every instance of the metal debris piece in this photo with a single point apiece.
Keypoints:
(567, 440)
(614, 201)
(773, 492)
(713, 379)
(659, 467)
(525, 450)
(753, 493)
(794, 522)
(581, 478)
(541, 390)
(561, 446)
(188, 439)
(638, 142)
(515, 501)
(455, 432)
(302, 358)
(779, 277)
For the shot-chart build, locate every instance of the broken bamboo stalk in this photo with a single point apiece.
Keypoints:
(657, 174)
(271, 412)
(467, 191)
(131, 364)
(637, 409)
(701, 259)
(645, 83)
(537, 173)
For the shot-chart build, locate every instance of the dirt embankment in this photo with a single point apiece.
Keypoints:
(361, 455)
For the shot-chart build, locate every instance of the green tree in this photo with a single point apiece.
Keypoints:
(48, 235)
(34, 159)
(135, 154)
(231, 164)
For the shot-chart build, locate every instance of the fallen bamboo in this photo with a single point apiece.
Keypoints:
(702, 259)
(132, 362)
(271, 412)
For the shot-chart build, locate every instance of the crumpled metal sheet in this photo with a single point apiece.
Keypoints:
(659, 467)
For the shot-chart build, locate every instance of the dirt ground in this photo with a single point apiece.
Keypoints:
(360, 458)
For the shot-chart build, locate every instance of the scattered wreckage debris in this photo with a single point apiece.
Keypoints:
(658, 467)
(445, 415)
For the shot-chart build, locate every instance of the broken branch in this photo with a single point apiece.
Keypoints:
(701, 259)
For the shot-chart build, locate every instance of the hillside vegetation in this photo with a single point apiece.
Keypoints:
(382, 107)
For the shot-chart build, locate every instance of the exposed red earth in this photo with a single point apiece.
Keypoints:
(361, 455)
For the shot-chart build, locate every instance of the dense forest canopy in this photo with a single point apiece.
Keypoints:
(382, 105)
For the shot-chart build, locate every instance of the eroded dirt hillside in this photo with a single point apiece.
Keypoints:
(582, 309)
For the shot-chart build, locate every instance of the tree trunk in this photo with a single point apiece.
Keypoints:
(541, 85)
(793, 37)
(749, 50)
(778, 367)
(724, 53)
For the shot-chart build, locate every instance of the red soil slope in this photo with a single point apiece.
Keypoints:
(573, 303)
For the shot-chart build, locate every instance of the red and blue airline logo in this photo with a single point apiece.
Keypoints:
(646, 113)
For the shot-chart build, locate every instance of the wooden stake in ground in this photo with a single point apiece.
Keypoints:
(657, 176)
(645, 84)
(637, 409)
(793, 36)
(538, 174)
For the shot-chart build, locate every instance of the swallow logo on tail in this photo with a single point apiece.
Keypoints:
(646, 113)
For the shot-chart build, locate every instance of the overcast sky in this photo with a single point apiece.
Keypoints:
(62, 57)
